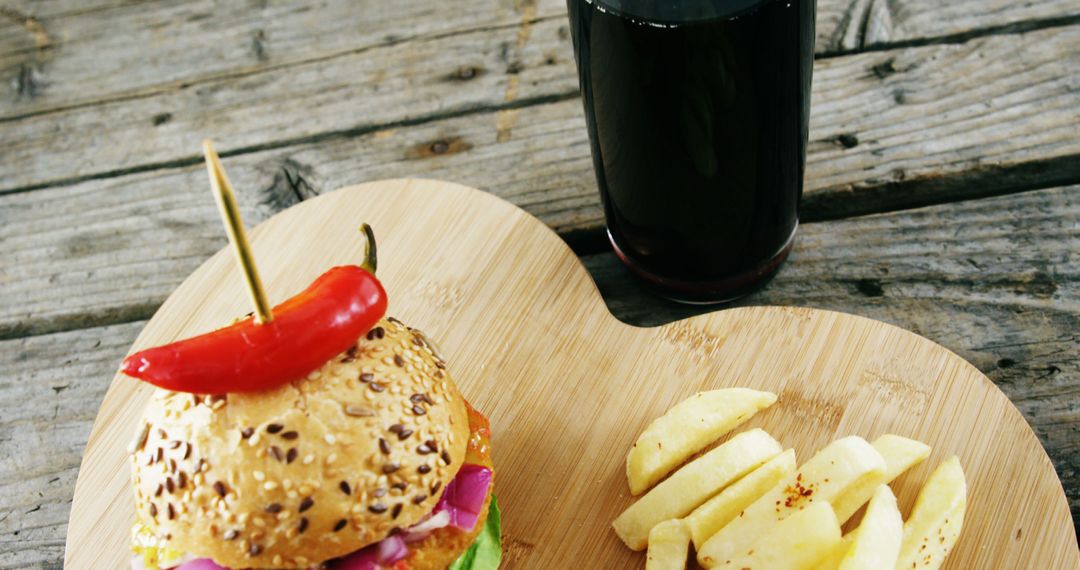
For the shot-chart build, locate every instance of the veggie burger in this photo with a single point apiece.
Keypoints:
(351, 449)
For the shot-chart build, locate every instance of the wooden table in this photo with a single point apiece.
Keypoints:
(940, 196)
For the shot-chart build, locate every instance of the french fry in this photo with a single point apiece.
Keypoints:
(876, 543)
(935, 522)
(798, 542)
(694, 484)
(668, 545)
(718, 511)
(837, 468)
(900, 454)
(687, 428)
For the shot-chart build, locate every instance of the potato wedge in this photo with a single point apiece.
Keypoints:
(669, 542)
(876, 543)
(900, 454)
(798, 542)
(710, 517)
(838, 467)
(694, 484)
(687, 428)
(836, 555)
(935, 522)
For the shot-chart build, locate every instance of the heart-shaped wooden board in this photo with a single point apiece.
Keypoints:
(568, 387)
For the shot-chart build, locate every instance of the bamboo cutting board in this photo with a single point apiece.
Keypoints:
(568, 387)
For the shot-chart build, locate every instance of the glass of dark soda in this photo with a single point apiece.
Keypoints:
(697, 112)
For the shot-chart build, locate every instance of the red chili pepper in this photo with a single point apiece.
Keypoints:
(306, 332)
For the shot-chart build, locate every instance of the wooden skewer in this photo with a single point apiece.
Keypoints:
(234, 227)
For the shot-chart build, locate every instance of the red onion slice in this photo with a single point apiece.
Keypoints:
(200, 564)
(464, 496)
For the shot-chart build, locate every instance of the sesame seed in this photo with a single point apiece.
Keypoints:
(171, 511)
(254, 440)
(275, 452)
(302, 525)
(384, 446)
(308, 459)
(380, 492)
(169, 484)
(246, 432)
(290, 456)
(270, 485)
(445, 457)
(330, 459)
(330, 439)
(181, 480)
(273, 508)
(435, 487)
(277, 560)
(290, 435)
(306, 504)
(153, 510)
(399, 361)
(219, 488)
(397, 510)
(424, 449)
(418, 410)
(340, 525)
(378, 508)
(404, 434)
(419, 499)
(230, 534)
(391, 467)
(376, 387)
(187, 450)
(255, 550)
(258, 522)
(274, 428)
(359, 411)
(259, 475)
(305, 489)
(367, 377)
(160, 488)
(344, 486)
(396, 428)
(140, 440)
(400, 485)
(424, 469)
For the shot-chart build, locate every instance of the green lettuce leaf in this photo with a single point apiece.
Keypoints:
(486, 552)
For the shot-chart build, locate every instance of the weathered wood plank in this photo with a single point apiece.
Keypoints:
(80, 59)
(49, 395)
(74, 57)
(862, 24)
(986, 88)
(995, 280)
(355, 93)
(109, 250)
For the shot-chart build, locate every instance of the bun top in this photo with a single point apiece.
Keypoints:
(309, 471)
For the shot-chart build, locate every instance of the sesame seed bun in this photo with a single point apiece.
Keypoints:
(309, 471)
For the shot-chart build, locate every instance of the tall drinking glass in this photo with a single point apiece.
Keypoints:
(697, 113)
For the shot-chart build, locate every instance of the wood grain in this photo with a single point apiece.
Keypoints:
(531, 340)
(87, 62)
(158, 227)
(49, 394)
(516, 63)
(83, 63)
(976, 294)
(863, 24)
